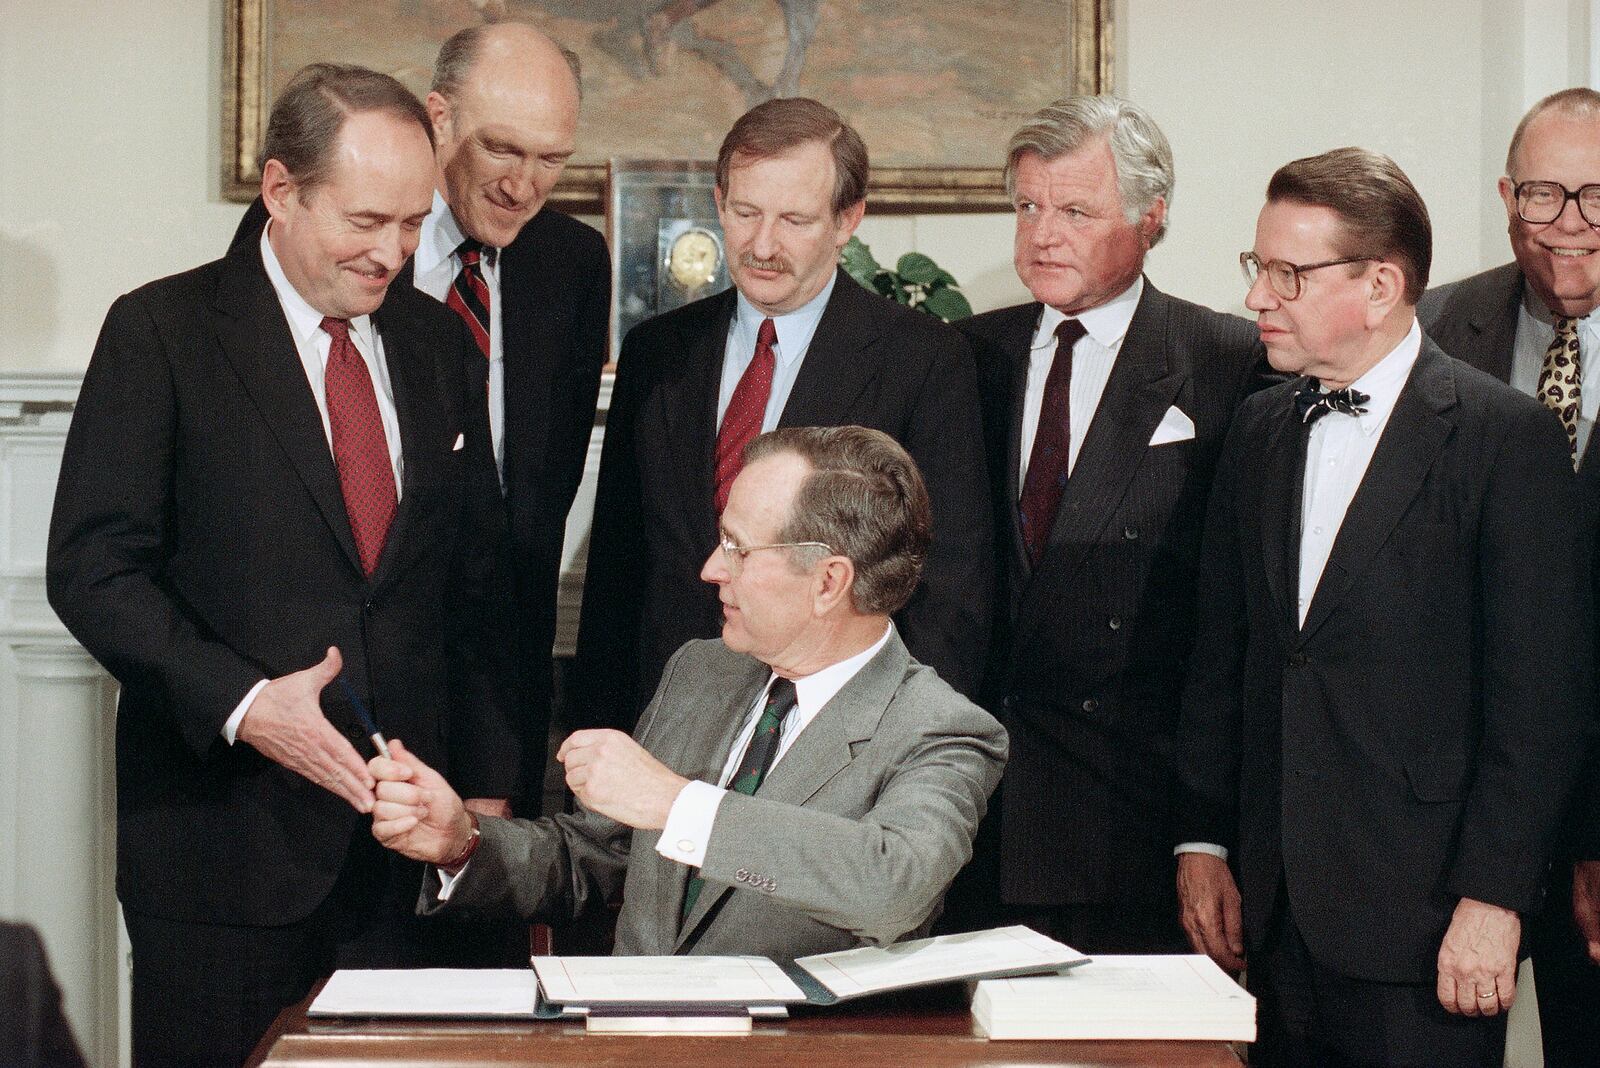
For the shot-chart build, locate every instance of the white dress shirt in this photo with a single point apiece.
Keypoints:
(689, 822)
(1536, 328)
(433, 270)
(795, 331)
(312, 343)
(1338, 449)
(1092, 359)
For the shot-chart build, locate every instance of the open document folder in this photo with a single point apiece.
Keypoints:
(657, 984)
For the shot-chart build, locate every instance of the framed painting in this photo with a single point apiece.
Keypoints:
(934, 88)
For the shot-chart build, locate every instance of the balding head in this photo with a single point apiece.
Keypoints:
(504, 108)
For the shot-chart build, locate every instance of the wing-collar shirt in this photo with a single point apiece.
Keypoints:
(1092, 360)
(311, 344)
(795, 331)
(1536, 328)
(433, 269)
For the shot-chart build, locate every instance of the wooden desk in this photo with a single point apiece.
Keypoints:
(933, 1030)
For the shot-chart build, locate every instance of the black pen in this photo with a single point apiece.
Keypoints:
(367, 723)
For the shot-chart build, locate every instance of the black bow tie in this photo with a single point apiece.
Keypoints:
(1312, 403)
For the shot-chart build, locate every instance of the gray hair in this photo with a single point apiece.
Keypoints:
(1138, 147)
(460, 51)
(865, 500)
(1580, 103)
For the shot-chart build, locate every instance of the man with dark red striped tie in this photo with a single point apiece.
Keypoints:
(796, 342)
(279, 473)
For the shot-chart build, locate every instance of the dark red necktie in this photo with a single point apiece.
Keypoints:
(746, 409)
(1052, 445)
(469, 295)
(360, 449)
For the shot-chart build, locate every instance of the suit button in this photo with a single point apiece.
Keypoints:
(743, 874)
(1115, 623)
(354, 733)
(1131, 533)
(1298, 659)
(1091, 705)
(1009, 702)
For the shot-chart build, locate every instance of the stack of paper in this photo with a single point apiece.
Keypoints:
(1120, 997)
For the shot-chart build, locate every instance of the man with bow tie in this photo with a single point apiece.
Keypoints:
(1387, 704)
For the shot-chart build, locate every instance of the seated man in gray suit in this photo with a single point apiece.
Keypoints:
(799, 785)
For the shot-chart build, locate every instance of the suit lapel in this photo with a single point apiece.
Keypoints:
(689, 402)
(1016, 344)
(1138, 393)
(838, 364)
(410, 376)
(255, 340)
(1493, 326)
(702, 757)
(1280, 502)
(1406, 452)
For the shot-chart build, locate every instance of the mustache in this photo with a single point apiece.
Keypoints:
(777, 263)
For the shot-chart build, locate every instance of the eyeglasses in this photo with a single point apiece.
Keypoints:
(1541, 203)
(1284, 277)
(734, 553)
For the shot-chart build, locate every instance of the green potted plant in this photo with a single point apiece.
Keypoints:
(916, 281)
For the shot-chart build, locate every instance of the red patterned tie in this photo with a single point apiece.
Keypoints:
(1052, 445)
(360, 450)
(469, 294)
(746, 409)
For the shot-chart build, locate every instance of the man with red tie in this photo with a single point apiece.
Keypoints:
(796, 342)
(278, 475)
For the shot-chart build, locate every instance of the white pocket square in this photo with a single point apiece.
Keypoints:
(461, 439)
(1175, 426)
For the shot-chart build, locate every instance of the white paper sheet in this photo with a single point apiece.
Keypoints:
(596, 981)
(468, 992)
(870, 969)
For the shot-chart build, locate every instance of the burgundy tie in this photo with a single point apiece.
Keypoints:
(746, 409)
(360, 450)
(469, 294)
(1052, 445)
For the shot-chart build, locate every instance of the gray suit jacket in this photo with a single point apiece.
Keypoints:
(853, 838)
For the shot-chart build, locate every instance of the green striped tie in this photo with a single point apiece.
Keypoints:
(758, 757)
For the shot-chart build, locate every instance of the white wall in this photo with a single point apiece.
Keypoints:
(109, 120)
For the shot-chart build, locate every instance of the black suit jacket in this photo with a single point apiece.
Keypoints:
(199, 543)
(1089, 652)
(555, 288)
(1411, 744)
(872, 363)
(1475, 320)
(33, 1031)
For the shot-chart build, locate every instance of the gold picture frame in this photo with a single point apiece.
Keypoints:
(940, 186)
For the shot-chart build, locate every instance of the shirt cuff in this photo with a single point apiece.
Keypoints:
(230, 729)
(688, 827)
(447, 882)
(1211, 848)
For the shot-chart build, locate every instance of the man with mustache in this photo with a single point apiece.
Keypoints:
(278, 475)
(1532, 323)
(796, 342)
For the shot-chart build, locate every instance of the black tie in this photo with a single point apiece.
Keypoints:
(1312, 402)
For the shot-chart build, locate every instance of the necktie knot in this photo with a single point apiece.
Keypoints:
(338, 329)
(768, 334)
(1312, 402)
(1068, 331)
(470, 252)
